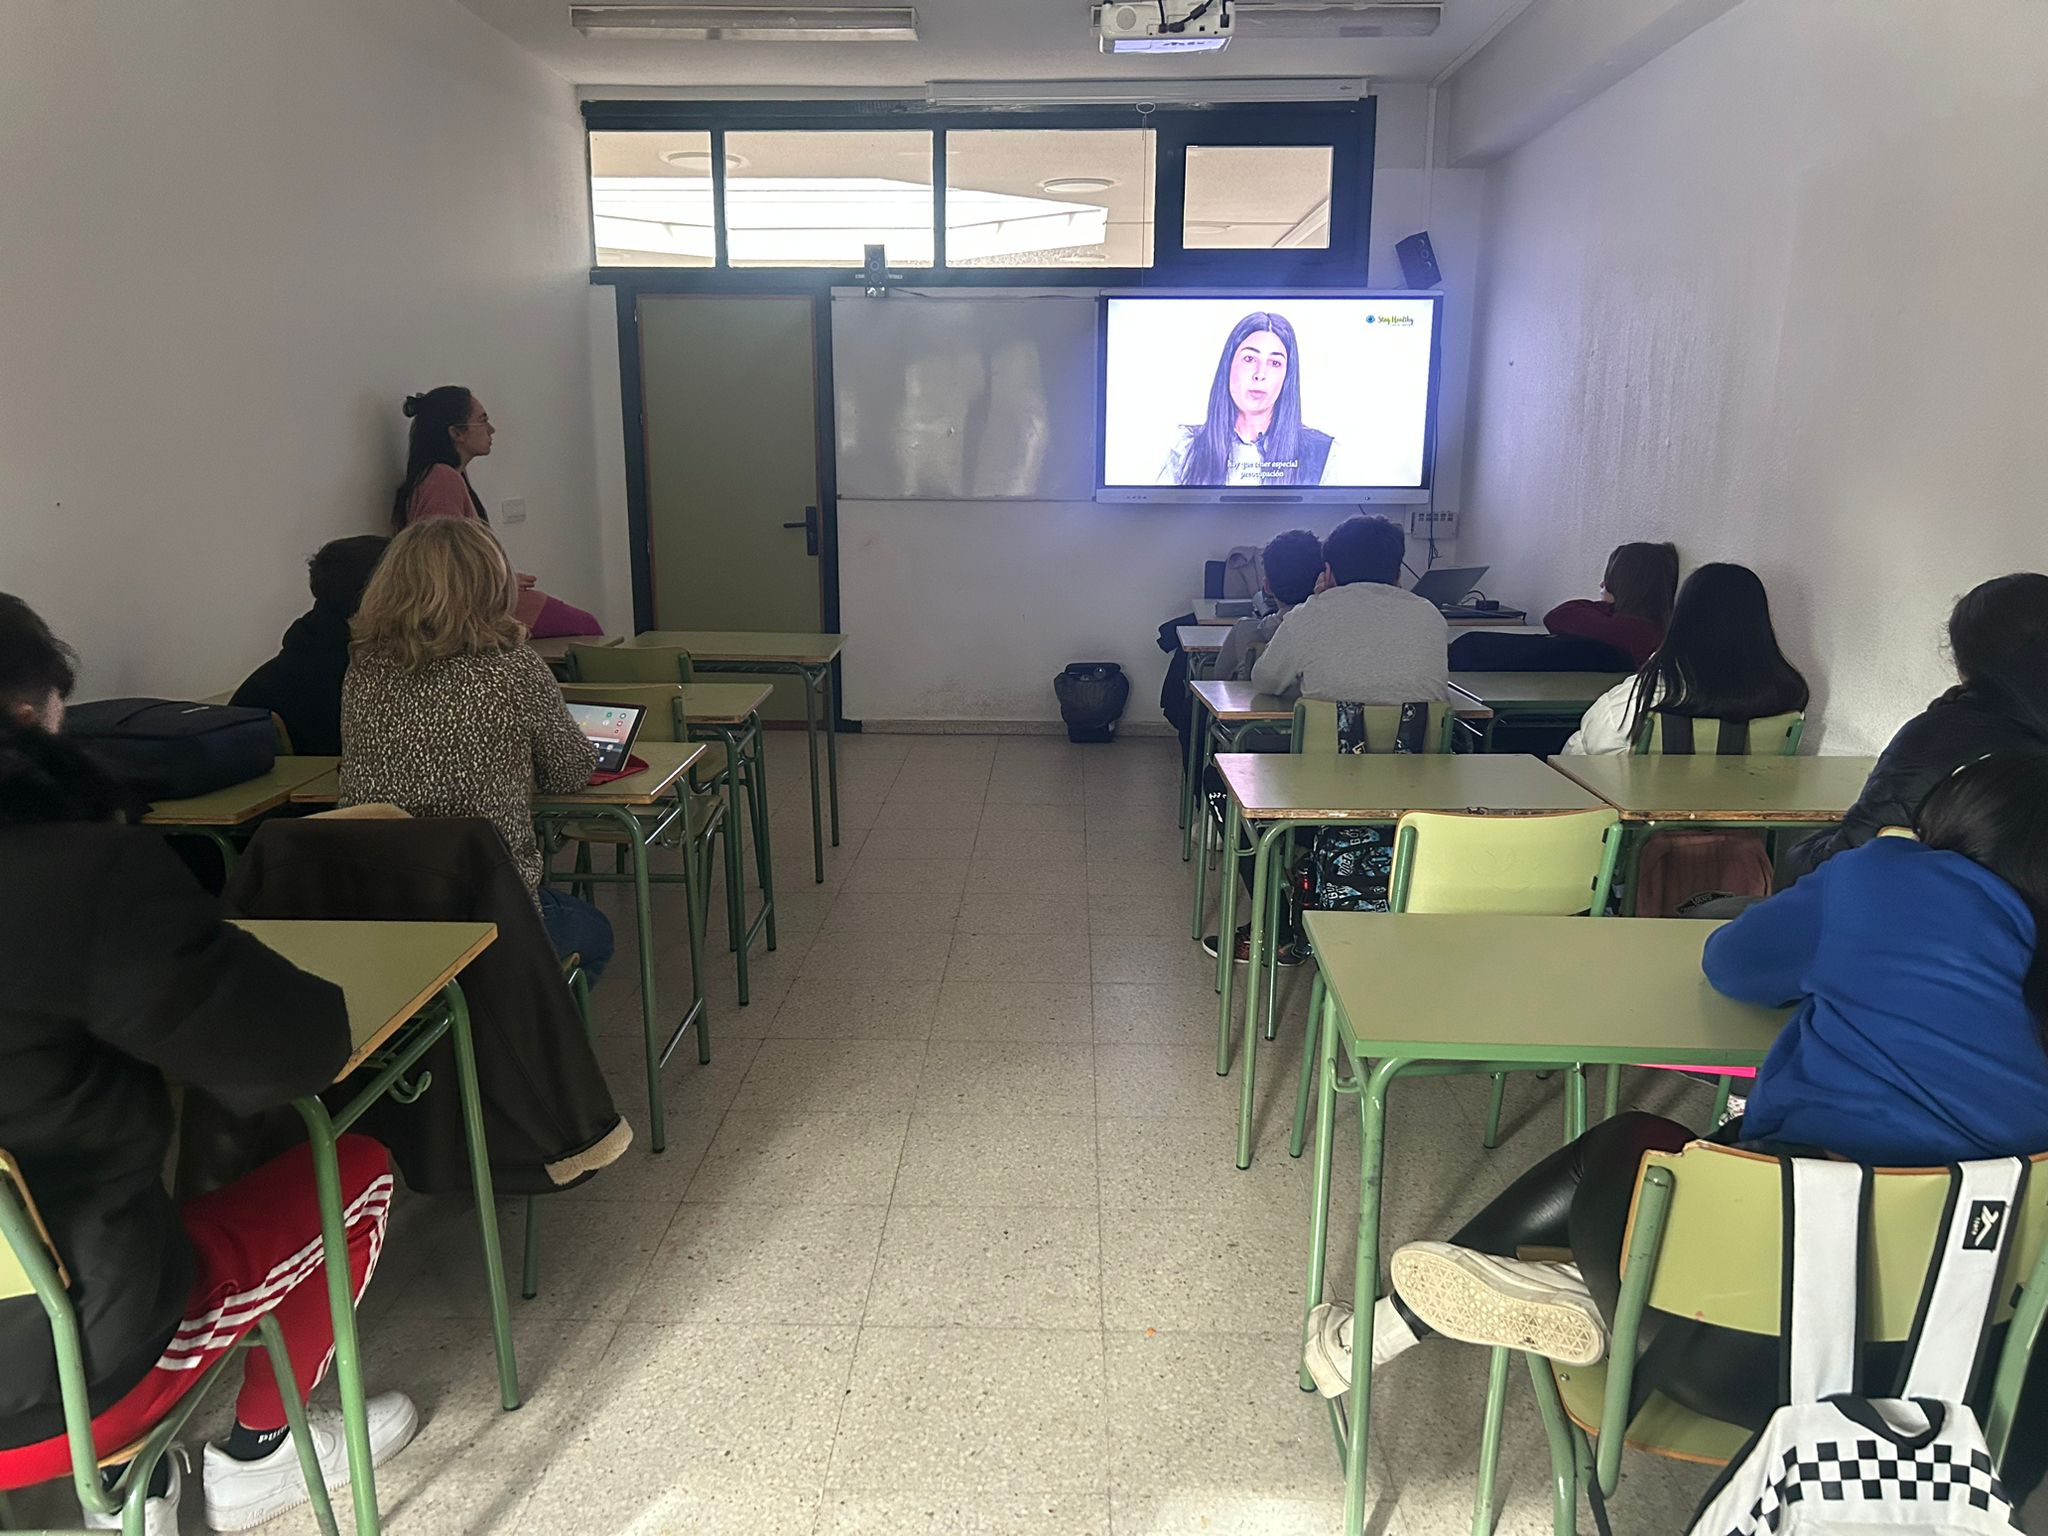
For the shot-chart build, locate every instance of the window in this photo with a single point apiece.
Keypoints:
(650, 199)
(1244, 197)
(815, 199)
(1039, 197)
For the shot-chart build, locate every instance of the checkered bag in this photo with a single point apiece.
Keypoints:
(1833, 1462)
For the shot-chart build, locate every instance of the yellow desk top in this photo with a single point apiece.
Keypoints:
(744, 644)
(1498, 689)
(556, 647)
(1202, 637)
(667, 761)
(242, 802)
(1811, 790)
(1326, 786)
(387, 971)
(1442, 988)
(1239, 701)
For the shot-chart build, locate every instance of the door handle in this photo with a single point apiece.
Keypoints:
(810, 528)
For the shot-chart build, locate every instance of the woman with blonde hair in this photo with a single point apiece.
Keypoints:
(447, 712)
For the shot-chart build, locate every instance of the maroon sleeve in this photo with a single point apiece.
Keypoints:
(1589, 620)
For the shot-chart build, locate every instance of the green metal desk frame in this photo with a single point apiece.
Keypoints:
(817, 692)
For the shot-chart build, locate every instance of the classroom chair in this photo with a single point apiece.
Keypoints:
(31, 1267)
(1706, 1242)
(629, 664)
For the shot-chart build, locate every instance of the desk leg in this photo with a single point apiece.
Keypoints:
(811, 744)
(830, 702)
(1226, 933)
(643, 927)
(757, 799)
(1190, 781)
(1198, 828)
(486, 1199)
(1325, 1067)
(1372, 1146)
(1263, 900)
(738, 940)
(341, 1303)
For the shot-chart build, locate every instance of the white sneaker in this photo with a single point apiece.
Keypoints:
(1544, 1309)
(159, 1516)
(243, 1494)
(1326, 1354)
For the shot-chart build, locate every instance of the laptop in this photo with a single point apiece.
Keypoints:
(1448, 586)
(611, 728)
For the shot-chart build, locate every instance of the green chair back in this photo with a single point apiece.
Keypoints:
(1551, 865)
(663, 702)
(1315, 726)
(629, 664)
(1766, 736)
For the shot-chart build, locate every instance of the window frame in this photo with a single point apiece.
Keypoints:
(1346, 126)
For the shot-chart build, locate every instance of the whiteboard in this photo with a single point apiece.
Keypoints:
(965, 397)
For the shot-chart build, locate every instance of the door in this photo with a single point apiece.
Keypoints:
(729, 396)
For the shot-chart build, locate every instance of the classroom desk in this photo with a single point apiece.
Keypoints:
(1285, 794)
(218, 815)
(1755, 792)
(1534, 698)
(1220, 715)
(806, 656)
(555, 648)
(399, 980)
(643, 806)
(730, 713)
(1387, 1011)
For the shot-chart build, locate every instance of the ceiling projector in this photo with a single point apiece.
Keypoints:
(1164, 26)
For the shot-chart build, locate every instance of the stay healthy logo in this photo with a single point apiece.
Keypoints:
(1389, 319)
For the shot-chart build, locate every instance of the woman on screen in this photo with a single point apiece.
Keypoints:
(1253, 433)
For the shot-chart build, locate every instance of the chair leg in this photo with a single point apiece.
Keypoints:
(295, 1420)
(1721, 1092)
(1489, 1442)
(1613, 1106)
(1308, 1064)
(529, 1271)
(581, 889)
(1564, 1462)
(1493, 1108)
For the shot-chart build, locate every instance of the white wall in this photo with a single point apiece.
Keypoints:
(1777, 296)
(236, 234)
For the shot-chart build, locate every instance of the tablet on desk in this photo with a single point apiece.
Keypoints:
(611, 728)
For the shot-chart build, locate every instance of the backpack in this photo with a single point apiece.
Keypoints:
(1244, 572)
(1349, 869)
(170, 750)
(1680, 870)
(1833, 1461)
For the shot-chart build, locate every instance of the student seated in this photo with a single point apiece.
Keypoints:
(1360, 638)
(1872, 1067)
(301, 684)
(1719, 661)
(449, 429)
(1634, 603)
(447, 712)
(121, 972)
(1293, 561)
(1998, 638)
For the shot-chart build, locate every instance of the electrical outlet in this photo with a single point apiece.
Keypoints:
(512, 510)
(1424, 521)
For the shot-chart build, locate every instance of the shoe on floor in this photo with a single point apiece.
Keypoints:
(159, 1515)
(1326, 1353)
(1544, 1309)
(1292, 951)
(243, 1494)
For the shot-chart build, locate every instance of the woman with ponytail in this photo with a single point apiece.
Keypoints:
(450, 428)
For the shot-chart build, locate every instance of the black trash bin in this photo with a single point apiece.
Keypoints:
(1092, 696)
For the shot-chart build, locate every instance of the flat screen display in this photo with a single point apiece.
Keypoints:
(1274, 397)
(610, 728)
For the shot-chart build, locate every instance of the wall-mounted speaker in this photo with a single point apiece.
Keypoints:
(1418, 262)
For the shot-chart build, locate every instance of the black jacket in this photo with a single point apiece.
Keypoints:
(120, 972)
(301, 684)
(2008, 709)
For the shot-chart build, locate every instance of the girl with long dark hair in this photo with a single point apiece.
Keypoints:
(451, 429)
(1252, 433)
(1719, 661)
(1918, 981)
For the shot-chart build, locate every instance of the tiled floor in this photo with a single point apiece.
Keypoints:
(947, 1238)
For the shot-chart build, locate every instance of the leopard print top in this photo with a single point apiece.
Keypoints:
(468, 736)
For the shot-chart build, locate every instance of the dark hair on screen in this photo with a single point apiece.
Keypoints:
(33, 662)
(1365, 549)
(1720, 658)
(1995, 621)
(1208, 457)
(340, 569)
(1293, 561)
(1643, 579)
(434, 415)
(1994, 812)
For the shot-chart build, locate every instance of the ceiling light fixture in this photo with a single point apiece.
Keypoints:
(749, 23)
(1068, 185)
(699, 160)
(1054, 93)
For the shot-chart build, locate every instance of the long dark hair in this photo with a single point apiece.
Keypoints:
(1994, 624)
(1720, 658)
(434, 415)
(1642, 579)
(1994, 812)
(1208, 458)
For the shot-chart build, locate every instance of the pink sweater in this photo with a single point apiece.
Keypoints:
(444, 492)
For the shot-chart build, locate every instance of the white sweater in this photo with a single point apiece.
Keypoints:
(1604, 729)
(1364, 642)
